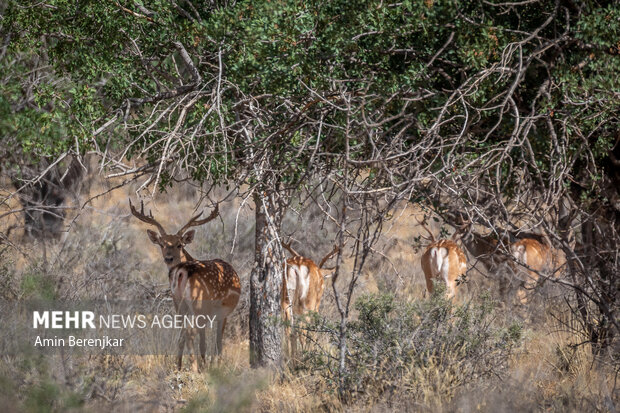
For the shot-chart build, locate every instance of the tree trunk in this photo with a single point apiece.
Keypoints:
(266, 283)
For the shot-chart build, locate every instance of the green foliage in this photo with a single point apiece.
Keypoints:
(7, 288)
(227, 392)
(41, 398)
(38, 286)
(104, 54)
(38, 391)
(395, 346)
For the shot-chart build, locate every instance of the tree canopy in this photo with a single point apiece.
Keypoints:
(467, 78)
(503, 111)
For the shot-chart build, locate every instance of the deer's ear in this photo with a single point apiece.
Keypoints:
(188, 236)
(153, 237)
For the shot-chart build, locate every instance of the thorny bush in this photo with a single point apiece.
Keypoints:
(413, 348)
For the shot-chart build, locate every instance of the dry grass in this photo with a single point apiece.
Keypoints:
(107, 252)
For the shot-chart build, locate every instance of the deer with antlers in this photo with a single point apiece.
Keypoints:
(209, 288)
(442, 259)
(302, 288)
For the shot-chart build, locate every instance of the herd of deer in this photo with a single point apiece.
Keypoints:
(212, 287)
(528, 258)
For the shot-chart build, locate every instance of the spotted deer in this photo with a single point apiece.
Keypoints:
(443, 259)
(302, 288)
(535, 258)
(210, 288)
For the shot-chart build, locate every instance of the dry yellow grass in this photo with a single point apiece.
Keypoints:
(106, 242)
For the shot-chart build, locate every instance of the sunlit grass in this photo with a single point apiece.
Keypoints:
(107, 252)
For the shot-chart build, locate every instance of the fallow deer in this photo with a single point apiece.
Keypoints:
(302, 287)
(503, 251)
(489, 253)
(443, 259)
(538, 258)
(209, 288)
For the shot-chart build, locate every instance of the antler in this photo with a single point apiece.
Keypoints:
(334, 251)
(194, 222)
(423, 224)
(287, 246)
(463, 227)
(144, 218)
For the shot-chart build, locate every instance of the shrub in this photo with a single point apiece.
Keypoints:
(422, 349)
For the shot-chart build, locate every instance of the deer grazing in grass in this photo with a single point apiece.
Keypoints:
(536, 258)
(443, 259)
(520, 255)
(489, 253)
(302, 289)
(210, 288)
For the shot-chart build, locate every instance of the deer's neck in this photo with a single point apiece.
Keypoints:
(185, 257)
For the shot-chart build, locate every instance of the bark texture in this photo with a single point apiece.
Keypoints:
(266, 283)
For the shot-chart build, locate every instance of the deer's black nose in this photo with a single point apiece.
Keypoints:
(168, 260)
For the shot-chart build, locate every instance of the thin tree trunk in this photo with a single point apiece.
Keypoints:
(266, 283)
(587, 234)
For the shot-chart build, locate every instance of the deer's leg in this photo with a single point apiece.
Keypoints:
(303, 339)
(287, 329)
(305, 334)
(451, 288)
(215, 358)
(191, 347)
(290, 330)
(429, 284)
(180, 350)
(293, 338)
(287, 336)
(203, 345)
(220, 336)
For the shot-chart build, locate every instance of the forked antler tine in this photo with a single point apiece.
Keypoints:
(463, 228)
(423, 225)
(333, 252)
(195, 222)
(148, 219)
(288, 247)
